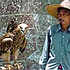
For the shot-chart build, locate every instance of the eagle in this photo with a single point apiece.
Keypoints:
(13, 41)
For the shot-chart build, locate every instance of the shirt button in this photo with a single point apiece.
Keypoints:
(62, 36)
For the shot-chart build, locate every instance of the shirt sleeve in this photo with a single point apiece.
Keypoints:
(45, 53)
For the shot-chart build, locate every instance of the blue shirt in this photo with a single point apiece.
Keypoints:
(56, 50)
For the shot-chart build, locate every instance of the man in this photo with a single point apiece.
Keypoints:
(56, 50)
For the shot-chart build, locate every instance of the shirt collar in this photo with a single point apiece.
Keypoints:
(60, 29)
(68, 28)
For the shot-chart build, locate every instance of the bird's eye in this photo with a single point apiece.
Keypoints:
(21, 27)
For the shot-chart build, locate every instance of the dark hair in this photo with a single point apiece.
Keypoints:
(61, 8)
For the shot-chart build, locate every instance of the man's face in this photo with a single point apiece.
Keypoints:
(64, 16)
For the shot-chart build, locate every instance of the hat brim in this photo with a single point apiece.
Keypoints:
(52, 9)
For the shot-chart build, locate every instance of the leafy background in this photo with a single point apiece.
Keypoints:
(31, 12)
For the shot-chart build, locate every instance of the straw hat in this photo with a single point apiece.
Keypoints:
(52, 9)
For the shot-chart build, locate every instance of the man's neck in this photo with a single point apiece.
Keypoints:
(64, 26)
